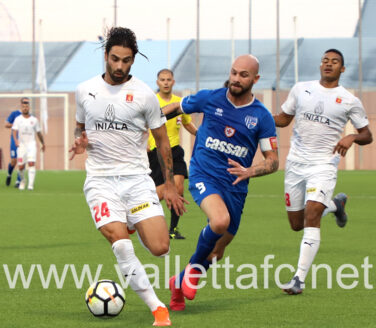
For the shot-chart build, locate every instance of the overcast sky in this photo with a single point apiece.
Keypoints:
(76, 20)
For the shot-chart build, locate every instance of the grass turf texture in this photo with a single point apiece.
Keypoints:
(52, 225)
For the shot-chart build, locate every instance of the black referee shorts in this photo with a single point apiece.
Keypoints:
(179, 165)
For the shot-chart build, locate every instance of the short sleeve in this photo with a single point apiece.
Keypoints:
(290, 105)
(357, 115)
(267, 126)
(195, 103)
(153, 113)
(15, 124)
(80, 112)
(37, 126)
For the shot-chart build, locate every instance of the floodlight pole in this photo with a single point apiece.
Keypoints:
(232, 40)
(198, 47)
(277, 62)
(115, 13)
(296, 64)
(250, 28)
(360, 77)
(33, 50)
(168, 43)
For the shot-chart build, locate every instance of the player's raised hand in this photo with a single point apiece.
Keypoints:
(173, 199)
(240, 171)
(79, 146)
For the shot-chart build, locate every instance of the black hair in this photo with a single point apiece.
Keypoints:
(24, 98)
(165, 70)
(338, 53)
(121, 36)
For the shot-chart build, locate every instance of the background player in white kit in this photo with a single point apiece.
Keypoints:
(321, 110)
(27, 127)
(114, 113)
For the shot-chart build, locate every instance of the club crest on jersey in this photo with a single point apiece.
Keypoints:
(179, 120)
(250, 121)
(129, 98)
(338, 100)
(229, 131)
(319, 109)
(109, 114)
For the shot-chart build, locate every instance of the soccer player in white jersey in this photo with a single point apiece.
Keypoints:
(27, 127)
(114, 114)
(321, 110)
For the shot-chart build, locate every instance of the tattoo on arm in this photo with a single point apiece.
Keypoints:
(267, 166)
(165, 161)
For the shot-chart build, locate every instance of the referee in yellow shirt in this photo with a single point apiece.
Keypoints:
(165, 82)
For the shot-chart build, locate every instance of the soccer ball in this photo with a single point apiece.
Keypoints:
(105, 298)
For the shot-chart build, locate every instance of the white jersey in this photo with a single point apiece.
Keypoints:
(117, 119)
(27, 128)
(320, 117)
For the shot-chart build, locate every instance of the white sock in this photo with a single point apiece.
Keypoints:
(330, 209)
(129, 264)
(31, 175)
(308, 249)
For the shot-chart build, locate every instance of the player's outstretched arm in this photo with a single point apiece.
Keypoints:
(282, 119)
(170, 195)
(172, 110)
(363, 137)
(268, 165)
(81, 141)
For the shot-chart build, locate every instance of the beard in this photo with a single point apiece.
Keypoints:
(242, 89)
(120, 78)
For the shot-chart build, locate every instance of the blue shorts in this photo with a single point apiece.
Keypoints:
(202, 186)
(13, 149)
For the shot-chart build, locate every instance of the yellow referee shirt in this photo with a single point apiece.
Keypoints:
(172, 125)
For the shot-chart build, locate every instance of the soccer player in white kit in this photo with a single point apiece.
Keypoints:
(114, 113)
(27, 127)
(321, 110)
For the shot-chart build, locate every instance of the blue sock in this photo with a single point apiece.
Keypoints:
(10, 169)
(18, 177)
(205, 245)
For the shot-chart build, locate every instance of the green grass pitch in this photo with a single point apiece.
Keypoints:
(52, 226)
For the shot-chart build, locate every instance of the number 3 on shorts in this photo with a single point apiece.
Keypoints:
(104, 211)
(287, 199)
(201, 187)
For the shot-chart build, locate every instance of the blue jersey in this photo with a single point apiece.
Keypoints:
(227, 131)
(11, 119)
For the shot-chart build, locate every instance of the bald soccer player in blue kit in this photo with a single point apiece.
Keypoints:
(234, 124)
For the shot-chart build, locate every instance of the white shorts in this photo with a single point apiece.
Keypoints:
(26, 153)
(128, 199)
(304, 182)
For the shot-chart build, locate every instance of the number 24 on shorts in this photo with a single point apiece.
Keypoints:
(100, 212)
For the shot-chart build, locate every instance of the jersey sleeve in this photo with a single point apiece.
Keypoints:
(80, 112)
(195, 103)
(15, 124)
(153, 114)
(37, 126)
(186, 119)
(267, 126)
(357, 115)
(290, 105)
(11, 117)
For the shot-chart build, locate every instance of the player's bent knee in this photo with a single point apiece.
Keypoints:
(161, 249)
(296, 226)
